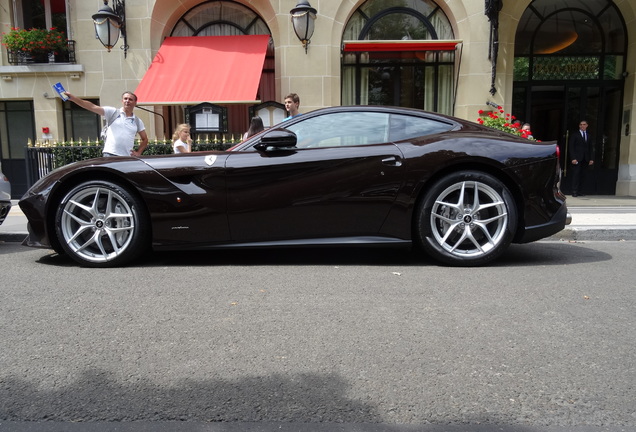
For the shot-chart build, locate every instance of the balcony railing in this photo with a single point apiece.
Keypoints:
(24, 58)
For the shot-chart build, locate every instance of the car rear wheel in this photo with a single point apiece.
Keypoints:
(101, 224)
(467, 219)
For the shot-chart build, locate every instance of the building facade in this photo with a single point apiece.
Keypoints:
(551, 63)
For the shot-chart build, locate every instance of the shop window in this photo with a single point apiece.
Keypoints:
(80, 123)
(17, 128)
(18, 114)
(401, 77)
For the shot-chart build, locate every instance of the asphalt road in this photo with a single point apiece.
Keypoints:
(320, 340)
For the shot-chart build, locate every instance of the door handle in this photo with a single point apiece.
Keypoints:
(392, 160)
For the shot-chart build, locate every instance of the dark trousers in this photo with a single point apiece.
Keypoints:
(578, 177)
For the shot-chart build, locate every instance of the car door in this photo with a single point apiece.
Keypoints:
(339, 180)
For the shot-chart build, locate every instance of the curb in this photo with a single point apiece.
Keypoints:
(595, 232)
(13, 237)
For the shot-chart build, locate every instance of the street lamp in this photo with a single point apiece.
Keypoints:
(303, 17)
(109, 23)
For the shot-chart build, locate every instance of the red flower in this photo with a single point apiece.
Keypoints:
(499, 120)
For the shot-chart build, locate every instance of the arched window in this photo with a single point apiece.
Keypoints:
(570, 40)
(229, 18)
(400, 73)
(220, 18)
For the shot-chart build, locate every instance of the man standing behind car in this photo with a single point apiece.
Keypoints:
(292, 103)
(582, 150)
(123, 125)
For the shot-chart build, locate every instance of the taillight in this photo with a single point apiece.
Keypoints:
(559, 171)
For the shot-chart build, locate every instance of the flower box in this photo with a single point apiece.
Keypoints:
(25, 58)
(35, 45)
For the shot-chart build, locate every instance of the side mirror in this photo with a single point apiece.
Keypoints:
(275, 139)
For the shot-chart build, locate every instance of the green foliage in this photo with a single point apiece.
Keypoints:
(60, 154)
(34, 40)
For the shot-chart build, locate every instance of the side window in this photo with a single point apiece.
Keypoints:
(406, 127)
(41, 14)
(342, 129)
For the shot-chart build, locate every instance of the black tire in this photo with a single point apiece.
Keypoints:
(101, 224)
(466, 219)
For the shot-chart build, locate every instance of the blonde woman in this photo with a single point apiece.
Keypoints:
(181, 141)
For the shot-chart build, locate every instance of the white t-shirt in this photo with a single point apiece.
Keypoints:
(179, 146)
(121, 134)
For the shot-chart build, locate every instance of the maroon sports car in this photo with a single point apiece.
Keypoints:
(341, 176)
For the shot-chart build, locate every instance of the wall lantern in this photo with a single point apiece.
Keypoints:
(303, 16)
(109, 23)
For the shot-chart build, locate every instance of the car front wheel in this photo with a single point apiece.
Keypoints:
(101, 224)
(467, 219)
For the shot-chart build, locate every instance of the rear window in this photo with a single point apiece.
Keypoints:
(404, 127)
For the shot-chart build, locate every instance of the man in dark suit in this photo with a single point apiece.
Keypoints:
(582, 152)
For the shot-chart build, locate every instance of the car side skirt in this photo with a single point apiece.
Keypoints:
(367, 241)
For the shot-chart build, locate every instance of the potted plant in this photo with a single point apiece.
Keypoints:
(35, 43)
(499, 120)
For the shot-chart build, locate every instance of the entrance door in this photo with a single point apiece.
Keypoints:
(555, 111)
(570, 59)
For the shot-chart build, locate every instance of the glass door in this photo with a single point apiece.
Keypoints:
(555, 111)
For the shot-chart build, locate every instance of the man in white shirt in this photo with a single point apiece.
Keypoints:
(123, 125)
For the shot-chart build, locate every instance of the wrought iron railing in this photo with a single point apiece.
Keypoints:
(21, 58)
(44, 157)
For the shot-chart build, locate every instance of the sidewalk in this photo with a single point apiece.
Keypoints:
(14, 227)
(599, 217)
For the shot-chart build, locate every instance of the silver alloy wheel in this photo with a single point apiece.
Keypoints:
(97, 224)
(469, 219)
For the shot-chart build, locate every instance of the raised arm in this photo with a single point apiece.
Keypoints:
(86, 104)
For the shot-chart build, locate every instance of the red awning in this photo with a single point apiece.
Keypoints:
(405, 45)
(196, 69)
